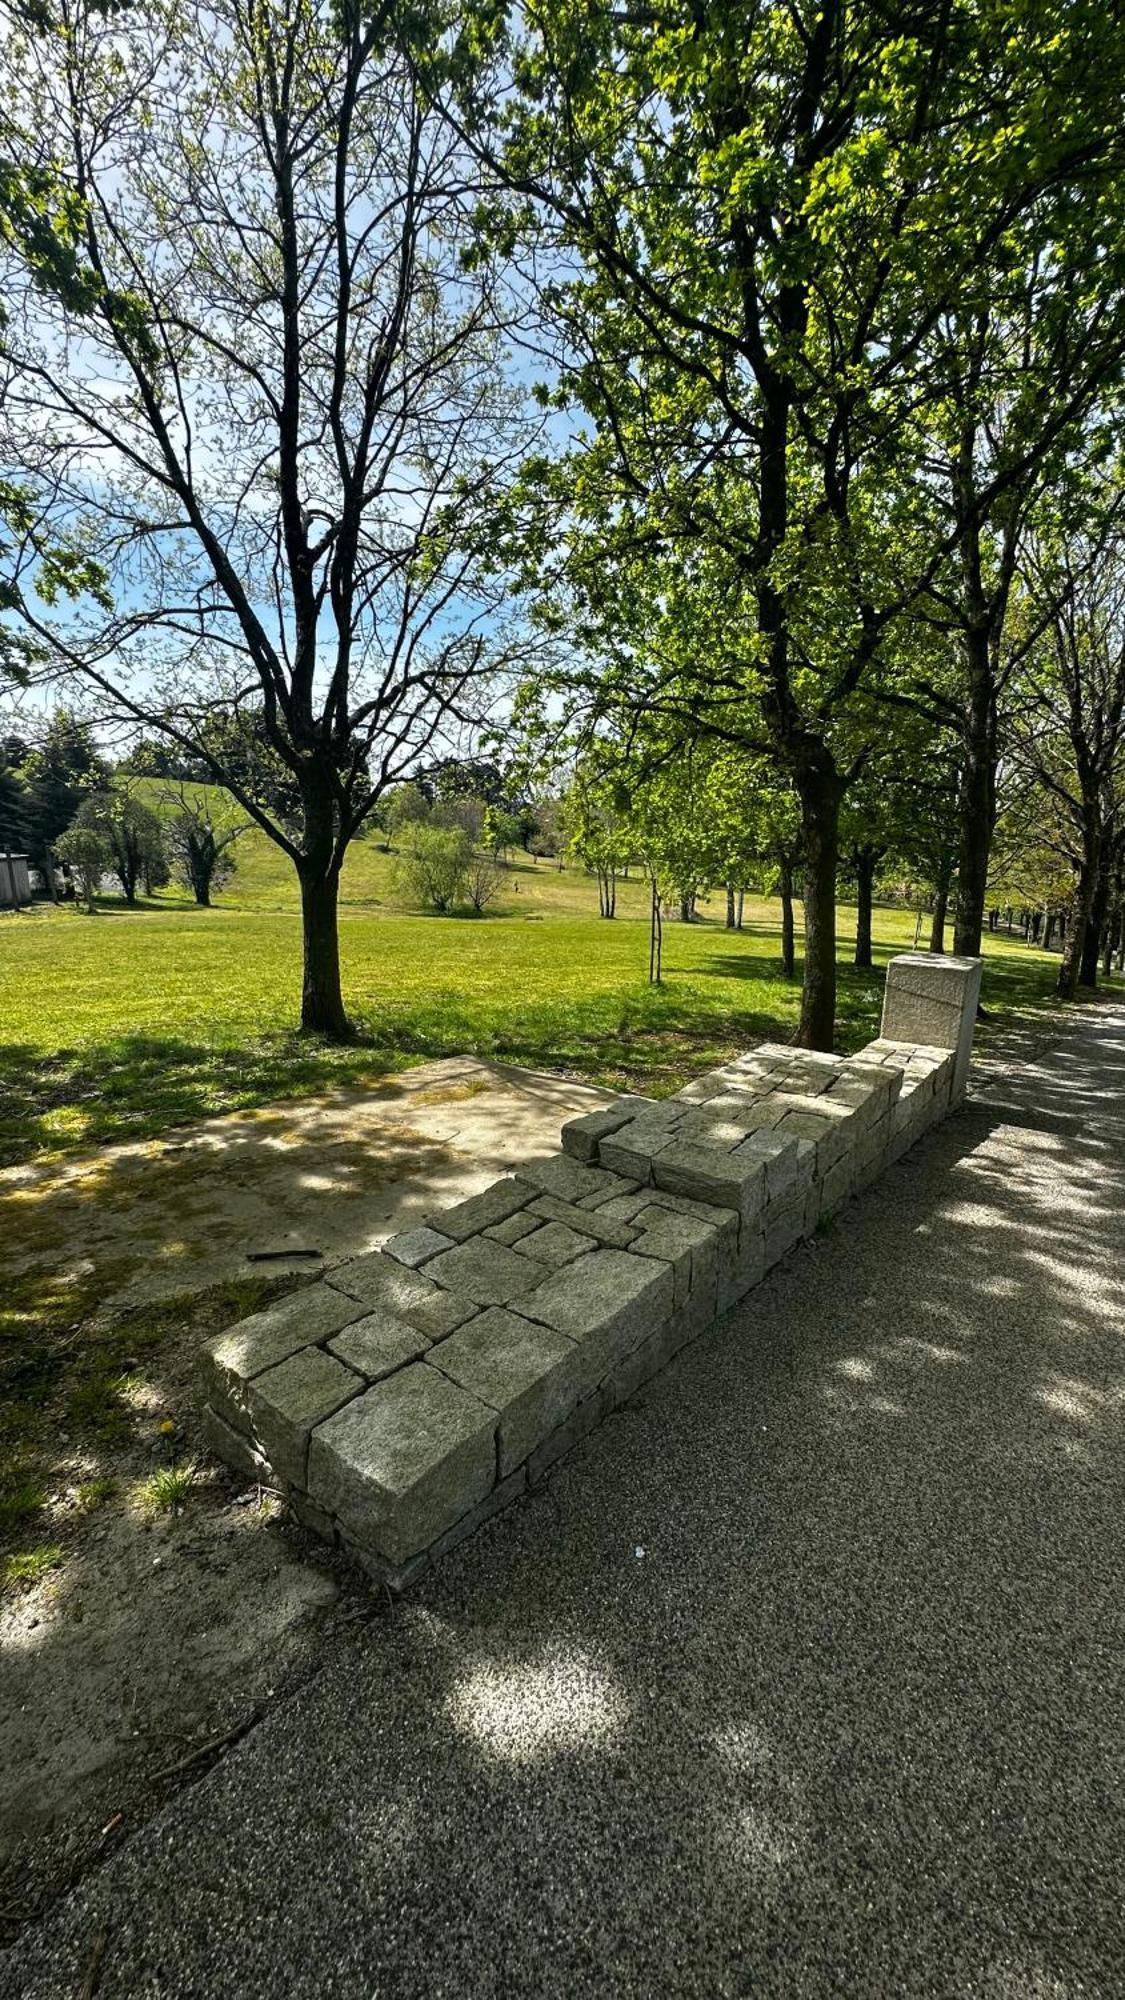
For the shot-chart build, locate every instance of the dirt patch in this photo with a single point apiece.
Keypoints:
(148, 1606)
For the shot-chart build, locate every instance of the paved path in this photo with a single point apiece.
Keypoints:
(806, 1677)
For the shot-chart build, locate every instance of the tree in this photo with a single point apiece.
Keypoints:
(403, 806)
(771, 210)
(433, 865)
(483, 881)
(59, 772)
(292, 487)
(1074, 691)
(15, 819)
(201, 847)
(132, 835)
(501, 831)
(592, 822)
(87, 852)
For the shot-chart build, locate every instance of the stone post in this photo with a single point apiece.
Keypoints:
(932, 998)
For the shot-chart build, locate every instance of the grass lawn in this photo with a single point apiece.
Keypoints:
(123, 1024)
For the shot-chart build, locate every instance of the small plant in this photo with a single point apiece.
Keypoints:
(93, 1493)
(167, 1490)
(22, 1571)
(19, 1502)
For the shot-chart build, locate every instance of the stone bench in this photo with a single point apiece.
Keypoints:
(418, 1389)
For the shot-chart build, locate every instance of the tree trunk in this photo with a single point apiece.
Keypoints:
(788, 948)
(977, 802)
(322, 1002)
(730, 906)
(655, 937)
(1071, 967)
(865, 886)
(820, 792)
(741, 900)
(941, 902)
(1091, 946)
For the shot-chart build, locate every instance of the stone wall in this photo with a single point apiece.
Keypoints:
(417, 1390)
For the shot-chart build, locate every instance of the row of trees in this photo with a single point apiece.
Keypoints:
(829, 307)
(61, 801)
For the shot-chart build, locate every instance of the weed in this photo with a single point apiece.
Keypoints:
(20, 1572)
(93, 1493)
(167, 1490)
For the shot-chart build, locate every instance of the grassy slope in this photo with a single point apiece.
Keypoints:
(123, 1024)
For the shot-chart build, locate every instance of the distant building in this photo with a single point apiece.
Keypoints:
(15, 882)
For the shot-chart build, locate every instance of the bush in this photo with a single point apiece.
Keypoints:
(133, 834)
(89, 855)
(433, 866)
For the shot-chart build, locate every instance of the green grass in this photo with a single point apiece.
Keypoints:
(125, 1023)
(167, 1490)
(20, 1572)
(67, 1370)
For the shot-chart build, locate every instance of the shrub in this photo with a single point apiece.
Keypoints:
(87, 853)
(433, 866)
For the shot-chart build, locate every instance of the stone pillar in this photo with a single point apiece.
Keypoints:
(932, 998)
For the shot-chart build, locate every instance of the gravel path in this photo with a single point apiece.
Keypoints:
(805, 1677)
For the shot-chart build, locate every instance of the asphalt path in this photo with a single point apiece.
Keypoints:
(804, 1676)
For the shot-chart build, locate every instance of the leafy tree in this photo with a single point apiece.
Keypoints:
(15, 820)
(58, 774)
(132, 833)
(292, 489)
(403, 806)
(593, 823)
(85, 850)
(460, 810)
(433, 865)
(501, 831)
(1073, 739)
(770, 211)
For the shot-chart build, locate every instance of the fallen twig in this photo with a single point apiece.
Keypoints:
(268, 1256)
(90, 1983)
(210, 1748)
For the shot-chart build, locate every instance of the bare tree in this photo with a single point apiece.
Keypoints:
(277, 419)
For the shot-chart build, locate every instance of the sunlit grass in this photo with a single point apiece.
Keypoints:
(167, 1491)
(120, 1025)
(95, 1493)
(22, 1571)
